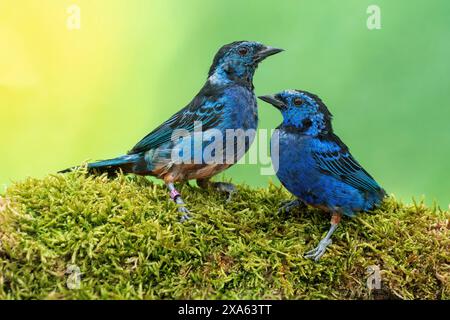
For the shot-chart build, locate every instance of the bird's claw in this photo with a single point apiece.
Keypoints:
(225, 187)
(318, 251)
(186, 214)
(288, 206)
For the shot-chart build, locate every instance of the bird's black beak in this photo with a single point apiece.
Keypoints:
(265, 52)
(272, 99)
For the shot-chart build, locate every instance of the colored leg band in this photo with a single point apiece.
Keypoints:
(174, 194)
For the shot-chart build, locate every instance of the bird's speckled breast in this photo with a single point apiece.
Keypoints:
(240, 110)
(295, 161)
(240, 113)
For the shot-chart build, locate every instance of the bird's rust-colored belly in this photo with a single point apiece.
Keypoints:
(183, 172)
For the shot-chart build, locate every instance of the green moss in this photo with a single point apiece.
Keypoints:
(125, 237)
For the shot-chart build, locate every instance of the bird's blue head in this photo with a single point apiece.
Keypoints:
(302, 111)
(238, 61)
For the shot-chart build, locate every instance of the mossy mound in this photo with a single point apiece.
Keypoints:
(125, 237)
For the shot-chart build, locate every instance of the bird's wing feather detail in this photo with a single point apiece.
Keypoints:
(341, 164)
(209, 113)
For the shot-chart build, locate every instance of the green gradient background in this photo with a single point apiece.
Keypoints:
(69, 96)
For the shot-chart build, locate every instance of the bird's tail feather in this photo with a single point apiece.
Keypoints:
(124, 163)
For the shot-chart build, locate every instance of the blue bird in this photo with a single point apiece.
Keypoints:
(315, 165)
(225, 102)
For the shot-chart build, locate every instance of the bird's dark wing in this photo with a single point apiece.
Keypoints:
(339, 163)
(206, 110)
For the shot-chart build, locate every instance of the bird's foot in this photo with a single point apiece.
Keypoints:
(318, 251)
(288, 206)
(176, 197)
(225, 187)
(186, 214)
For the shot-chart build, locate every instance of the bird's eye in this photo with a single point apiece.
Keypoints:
(298, 101)
(243, 51)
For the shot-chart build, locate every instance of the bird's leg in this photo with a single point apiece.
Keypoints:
(176, 197)
(318, 251)
(224, 187)
(288, 206)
